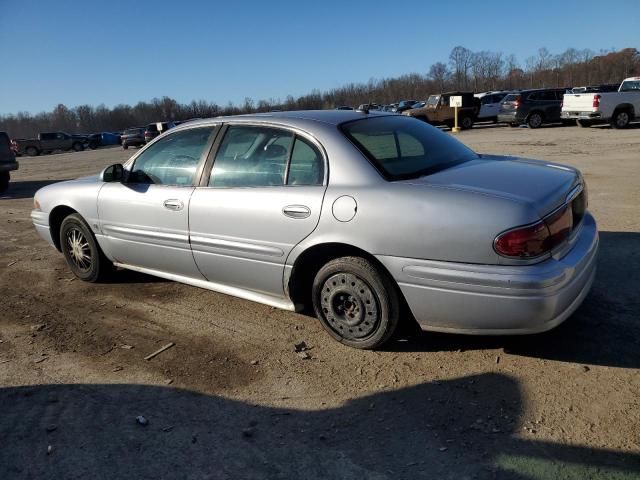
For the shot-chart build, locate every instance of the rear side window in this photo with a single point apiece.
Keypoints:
(172, 160)
(630, 86)
(402, 148)
(512, 97)
(306, 166)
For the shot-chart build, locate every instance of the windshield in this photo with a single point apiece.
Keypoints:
(433, 100)
(134, 131)
(630, 86)
(402, 148)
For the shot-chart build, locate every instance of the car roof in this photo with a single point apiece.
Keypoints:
(330, 117)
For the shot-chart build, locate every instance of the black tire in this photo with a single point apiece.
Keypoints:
(4, 181)
(514, 125)
(620, 119)
(77, 147)
(125, 146)
(76, 238)
(356, 303)
(535, 120)
(466, 122)
(32, 151)
(583, 123)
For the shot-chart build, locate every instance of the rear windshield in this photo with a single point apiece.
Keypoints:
(134, 131)
(512, 97)
(152, 127)
(401, 148)
(630, 86)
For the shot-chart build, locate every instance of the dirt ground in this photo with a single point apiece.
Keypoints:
(233, 400)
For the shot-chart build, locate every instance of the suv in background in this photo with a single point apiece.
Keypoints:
(152, 130)
(133, 137)
(438, 112)
(405, 105)
(490, 105)
(532, 107)
(7, 161)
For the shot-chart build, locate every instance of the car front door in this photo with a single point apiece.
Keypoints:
(144, 221)
(263, 196)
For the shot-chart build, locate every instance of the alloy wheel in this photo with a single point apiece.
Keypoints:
(79, 249)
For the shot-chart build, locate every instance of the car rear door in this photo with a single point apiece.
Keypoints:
(144, 221)
(262, 197)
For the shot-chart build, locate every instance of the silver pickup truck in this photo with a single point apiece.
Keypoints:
(617, 108)
(7, 162)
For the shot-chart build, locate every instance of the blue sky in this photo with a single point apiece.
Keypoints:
(111, 52)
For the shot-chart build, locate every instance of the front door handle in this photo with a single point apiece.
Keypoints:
(296, 211)
(173, 204)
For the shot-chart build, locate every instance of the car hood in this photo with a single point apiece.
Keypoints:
(543, 185)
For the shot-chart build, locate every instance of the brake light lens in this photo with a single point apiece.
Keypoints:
(517, 101)
(596, 101)
(541, 237)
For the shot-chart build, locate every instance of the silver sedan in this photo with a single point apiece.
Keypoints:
(369, 218)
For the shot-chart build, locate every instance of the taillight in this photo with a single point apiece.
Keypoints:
(516, 102)
(596, 101)
(534, 240)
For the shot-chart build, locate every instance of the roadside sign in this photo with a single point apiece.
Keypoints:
(455, 101)
(159, 126)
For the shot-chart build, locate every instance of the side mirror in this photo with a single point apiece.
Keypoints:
(113, 173)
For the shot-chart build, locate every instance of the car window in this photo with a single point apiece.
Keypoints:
(172, 160)
(402, 148)
(630, 86)
(251, 157)
(306, 166)
(549, 95)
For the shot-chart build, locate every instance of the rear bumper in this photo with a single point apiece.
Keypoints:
(510, 117)
(572, 115)
(9, 166)
(494, 299)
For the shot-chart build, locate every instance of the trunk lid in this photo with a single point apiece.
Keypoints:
(543, 185)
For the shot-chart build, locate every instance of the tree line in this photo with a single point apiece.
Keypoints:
(465, 70)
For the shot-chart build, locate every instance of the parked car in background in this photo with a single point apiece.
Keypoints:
(438, 112)
(155, 129)
(405, 105)
(286, 210)
(490, 105)
(133, 137)
(103, 139)
(49, 142)
(532, 107)
(617, 108)
(419, 104)
(8, 161)
(344, 107)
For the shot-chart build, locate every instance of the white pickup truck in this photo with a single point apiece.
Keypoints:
(618, 108)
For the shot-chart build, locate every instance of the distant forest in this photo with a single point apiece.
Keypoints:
(465, 70)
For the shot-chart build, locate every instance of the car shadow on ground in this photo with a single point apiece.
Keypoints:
(26, 189)
(605, 330)
(463, 428)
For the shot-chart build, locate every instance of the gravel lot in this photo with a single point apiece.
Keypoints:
(232, 399)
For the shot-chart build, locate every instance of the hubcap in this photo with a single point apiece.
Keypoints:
(623, 119)
(349, 306)
(536, 120)
(78, 249)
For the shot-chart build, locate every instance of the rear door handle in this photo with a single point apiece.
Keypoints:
(173, 204)
(296, 211)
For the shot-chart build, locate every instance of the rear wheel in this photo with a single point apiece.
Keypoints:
(31, 151)
(77, 147)
(125, 146)
(355, 302)
(534, 120)
(81, 251)
(4, 181)
(466, 122)
(620, 119)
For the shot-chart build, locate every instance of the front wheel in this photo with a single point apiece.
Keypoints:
(355, 302)
(81, 251)
(4, 181)
(466, 123)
